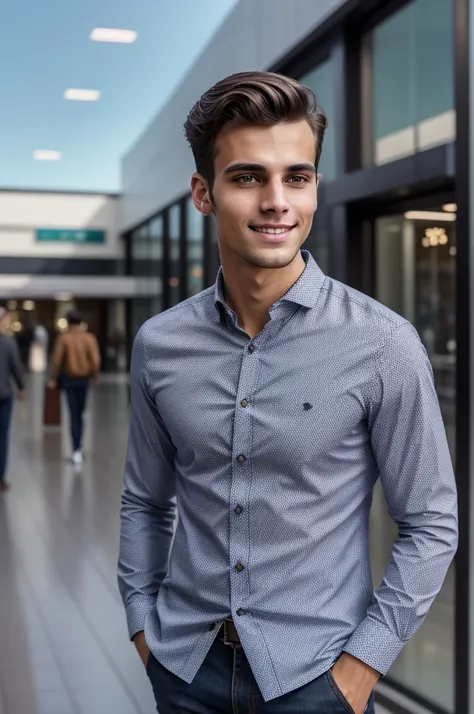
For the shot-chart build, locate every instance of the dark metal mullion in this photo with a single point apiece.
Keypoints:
(183, 251)
(340, 113)
(210, 252)
(166, 272)
(463, 638)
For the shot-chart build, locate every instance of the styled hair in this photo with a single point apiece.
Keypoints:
(74, 317)
(262, 98)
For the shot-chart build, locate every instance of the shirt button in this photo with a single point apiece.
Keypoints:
(239, 567)
(241, 459)
(240, 612)
(244, 403)
(238, 509)
(251, 348)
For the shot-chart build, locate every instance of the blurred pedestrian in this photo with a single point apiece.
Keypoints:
(75, 362)
(10, 368)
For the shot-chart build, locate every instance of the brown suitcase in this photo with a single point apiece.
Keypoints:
(52, 406)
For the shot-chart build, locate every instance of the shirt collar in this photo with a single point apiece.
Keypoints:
(304, 292)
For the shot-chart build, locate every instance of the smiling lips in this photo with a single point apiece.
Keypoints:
(273, 233)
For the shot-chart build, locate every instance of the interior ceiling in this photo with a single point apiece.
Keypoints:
(45, 49)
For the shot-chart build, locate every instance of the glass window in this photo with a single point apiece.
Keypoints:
(321, 81)
(140, 252)
(195, 247)
(318, 242)
(174, 232)
(416, 276)
(412, 82)
(139, 314)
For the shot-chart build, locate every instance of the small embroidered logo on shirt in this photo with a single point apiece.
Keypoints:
(307, 406)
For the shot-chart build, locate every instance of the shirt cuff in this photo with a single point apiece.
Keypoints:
(376, 645)
(137, 611)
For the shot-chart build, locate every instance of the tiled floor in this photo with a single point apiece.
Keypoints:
(64, 646)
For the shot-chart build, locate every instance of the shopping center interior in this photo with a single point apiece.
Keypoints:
(392, 221)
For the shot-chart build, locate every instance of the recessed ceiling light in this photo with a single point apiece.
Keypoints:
(82, 95)
(450, 207)
(430, 216)
(42, 155)
(104, 34)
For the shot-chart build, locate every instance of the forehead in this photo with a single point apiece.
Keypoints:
(280, 144)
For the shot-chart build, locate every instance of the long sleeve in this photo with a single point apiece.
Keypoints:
(410, 447)
(94, 354)
(16, 368)
(57, 357)
(148, 501)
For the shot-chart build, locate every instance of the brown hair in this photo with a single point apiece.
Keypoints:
(262, 98)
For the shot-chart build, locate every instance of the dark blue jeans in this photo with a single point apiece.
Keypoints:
(6, 405)
(76, 393)
(225, 684)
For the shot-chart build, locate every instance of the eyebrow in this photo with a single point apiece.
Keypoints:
(260, 167)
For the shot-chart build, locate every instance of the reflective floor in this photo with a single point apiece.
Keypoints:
(64, 647)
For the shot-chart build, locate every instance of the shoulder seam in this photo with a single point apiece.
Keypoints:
(361, 304)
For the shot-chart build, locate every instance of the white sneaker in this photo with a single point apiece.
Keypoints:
(77, 458)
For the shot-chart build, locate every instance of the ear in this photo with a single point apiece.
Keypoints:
(201, 194)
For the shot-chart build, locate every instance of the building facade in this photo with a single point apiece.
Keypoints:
(394, 220)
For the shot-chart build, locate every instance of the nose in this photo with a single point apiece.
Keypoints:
(274, 198)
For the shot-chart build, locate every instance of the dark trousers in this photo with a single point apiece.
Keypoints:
(76, 393)
(225, 684)
(5, 417)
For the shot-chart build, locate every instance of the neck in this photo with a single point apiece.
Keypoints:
(250, 292)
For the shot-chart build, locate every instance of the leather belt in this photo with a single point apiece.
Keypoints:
(228, 633)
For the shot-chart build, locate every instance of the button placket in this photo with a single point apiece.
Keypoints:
(241, 476)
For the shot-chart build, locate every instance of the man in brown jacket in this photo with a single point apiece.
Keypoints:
(76, 360)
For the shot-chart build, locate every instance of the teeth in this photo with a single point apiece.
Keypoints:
(272, 231)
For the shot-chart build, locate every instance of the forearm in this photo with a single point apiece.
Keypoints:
(420, 559)
(146, 536)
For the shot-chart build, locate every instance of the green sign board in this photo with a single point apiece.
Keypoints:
(55, 235)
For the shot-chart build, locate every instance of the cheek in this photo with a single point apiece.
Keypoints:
(306, 205)
(236, 208)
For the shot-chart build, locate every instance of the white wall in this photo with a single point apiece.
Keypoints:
(22, 212)
(255, 35)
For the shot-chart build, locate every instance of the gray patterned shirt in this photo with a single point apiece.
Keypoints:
(271, 448)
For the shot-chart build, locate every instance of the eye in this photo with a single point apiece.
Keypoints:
(298, 179)
(246, 179)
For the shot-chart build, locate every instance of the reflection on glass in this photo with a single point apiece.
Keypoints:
(412, 81)
(195, 246)
(140, 252)
(174, 232)
(321, 81)
(416, 277)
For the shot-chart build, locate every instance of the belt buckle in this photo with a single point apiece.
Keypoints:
(225, 639)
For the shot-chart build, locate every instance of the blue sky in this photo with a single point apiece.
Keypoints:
(45, 48)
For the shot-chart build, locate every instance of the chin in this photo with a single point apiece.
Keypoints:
(272, 259)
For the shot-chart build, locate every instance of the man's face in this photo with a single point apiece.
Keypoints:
(264, 192)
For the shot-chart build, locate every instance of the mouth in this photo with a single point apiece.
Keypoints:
(273, 234)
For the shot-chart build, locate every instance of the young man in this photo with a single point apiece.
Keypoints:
(268, 406)
(76, 360)
(10, 370)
